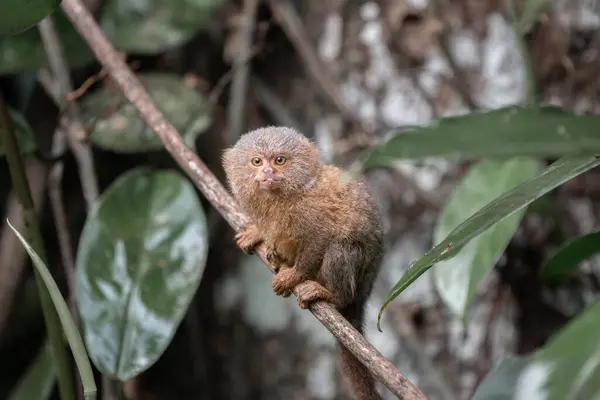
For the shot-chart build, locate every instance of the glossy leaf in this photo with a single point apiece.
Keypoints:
(567, 367)
(502, 379)
(25, 51)
(38, 381)
(153, 26)
(457, 278)
(69, 328)
(504, 132)
(23, 133)
(19, 15)
(118, 126)
(569, 256)
(494, 212)
(140, 260)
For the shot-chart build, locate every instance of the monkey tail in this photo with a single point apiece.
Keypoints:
(359, 376)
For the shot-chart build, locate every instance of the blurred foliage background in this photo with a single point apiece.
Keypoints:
(474, 122)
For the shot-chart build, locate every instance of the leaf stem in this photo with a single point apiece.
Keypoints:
(21, 187)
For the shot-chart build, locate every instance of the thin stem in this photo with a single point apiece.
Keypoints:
(21, 187)
(239, 86)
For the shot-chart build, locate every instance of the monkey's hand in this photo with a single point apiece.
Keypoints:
(249, 238)
(285, 281)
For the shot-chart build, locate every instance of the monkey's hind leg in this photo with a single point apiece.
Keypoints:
(249, 238)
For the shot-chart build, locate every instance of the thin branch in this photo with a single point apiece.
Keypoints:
(208, 184)
(273, 104)
(290, 22)
(239, 85)
(460, 78)
(12, 254)
(76, 132)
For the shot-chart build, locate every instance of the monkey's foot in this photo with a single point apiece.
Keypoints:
(248, 238)
(285, 281)
(310, 291)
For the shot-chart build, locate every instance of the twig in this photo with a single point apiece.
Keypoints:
(272, 103)
(75, 132)
(12, 254)
(21, 188)
(239, 85)
(288, 18)
(460, 78)
(208, 184)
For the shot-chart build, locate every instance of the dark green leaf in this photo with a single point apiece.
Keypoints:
(457, 278)
(501, 381)
(69, 328)
(567, 367)
(140, 259)
(19, 15)
(25, 51)
(23, 133)
(153, 26)
(505, 132)
(39, 379)
(118, 126)
(494, 212)
(569, 256)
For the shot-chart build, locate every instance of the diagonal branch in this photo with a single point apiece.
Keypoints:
(208, 184)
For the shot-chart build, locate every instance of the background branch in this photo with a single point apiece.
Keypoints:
(207, 183)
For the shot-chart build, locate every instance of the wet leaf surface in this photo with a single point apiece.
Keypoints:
(139, 262)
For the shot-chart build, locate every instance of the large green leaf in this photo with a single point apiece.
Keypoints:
(25, 51)
(457, 278)
(23, 133)
(39, 379)
(140, 259)
(505, 132)
(19, 15)
(567, 367)
(118, 126)
(68, 325)
(153, 26)
(569, 256)
(494, 212)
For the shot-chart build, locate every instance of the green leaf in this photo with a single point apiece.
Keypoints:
(25, 51)
(140, 260)
(504, 132)
(567, 367)
(501, 381)
(37, 383)
(494, 212)
(457, 278)
(153, 26)
(118, 126)
(23, 133)
(77, 347)
(18, 15)
(569, 256)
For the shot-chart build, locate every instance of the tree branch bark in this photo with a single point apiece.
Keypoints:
(212, 189)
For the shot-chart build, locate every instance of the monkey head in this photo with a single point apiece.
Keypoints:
(271, 160)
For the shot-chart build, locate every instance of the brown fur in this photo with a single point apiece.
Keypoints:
(327, 231)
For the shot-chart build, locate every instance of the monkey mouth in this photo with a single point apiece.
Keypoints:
(268, 181)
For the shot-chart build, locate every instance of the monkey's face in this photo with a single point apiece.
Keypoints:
(269, 170)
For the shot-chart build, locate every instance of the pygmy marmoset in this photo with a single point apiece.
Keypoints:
(326, 231)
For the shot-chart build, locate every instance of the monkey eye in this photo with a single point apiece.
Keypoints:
(256, 161)
(280, 160)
